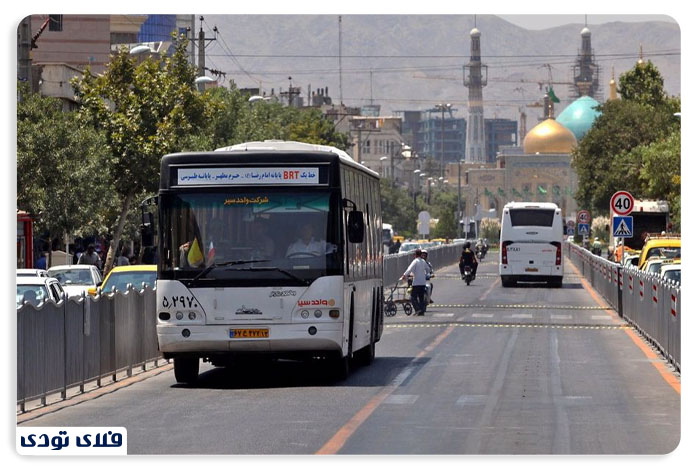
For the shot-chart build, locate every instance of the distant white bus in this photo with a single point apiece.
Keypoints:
(531, 240)
(387, 237)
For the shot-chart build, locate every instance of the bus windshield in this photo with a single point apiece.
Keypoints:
(531, 217)
(251, 234)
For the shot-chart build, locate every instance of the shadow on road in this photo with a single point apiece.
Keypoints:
(285, 373)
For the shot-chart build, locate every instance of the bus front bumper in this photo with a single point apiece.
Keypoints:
(282, 338)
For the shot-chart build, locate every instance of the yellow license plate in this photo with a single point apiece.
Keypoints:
(249, 333)
(531, 270)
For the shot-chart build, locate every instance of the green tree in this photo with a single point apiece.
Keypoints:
(444, 207)
(603, 159)
(644, 84)
(397, 209)
(58, 172)
(145, 110)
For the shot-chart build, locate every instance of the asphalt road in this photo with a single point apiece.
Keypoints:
(488, 370)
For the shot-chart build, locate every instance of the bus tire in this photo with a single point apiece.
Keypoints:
(556, 282)
(367, 354)
(341, 368)
(186, 370)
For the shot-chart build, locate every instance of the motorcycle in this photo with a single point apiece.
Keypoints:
(468, 275)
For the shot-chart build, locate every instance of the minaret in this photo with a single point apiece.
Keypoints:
(612, 87)
(585, 70)
(475, 80)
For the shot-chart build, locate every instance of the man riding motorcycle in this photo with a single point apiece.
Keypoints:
(468, 258)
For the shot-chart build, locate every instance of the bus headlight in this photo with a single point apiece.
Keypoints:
(304, 314)
(192, 316)
(334, 313)
(179, 315)
(317, 313)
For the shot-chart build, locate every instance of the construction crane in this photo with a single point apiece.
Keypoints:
(539, 83)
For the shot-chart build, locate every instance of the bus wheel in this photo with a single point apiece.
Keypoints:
(341, 368)
(186, 370)
(367, 354)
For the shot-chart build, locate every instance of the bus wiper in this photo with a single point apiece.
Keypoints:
(286, 272)
(212, 266)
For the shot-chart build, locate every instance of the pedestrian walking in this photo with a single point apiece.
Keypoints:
(90, 257)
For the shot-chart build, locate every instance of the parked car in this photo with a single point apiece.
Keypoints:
(459, 240)
(32, 272)
(668, 246)
(671, 271)
(408, 246)
(653, 265)
(630, 260)
(76, 278)
(37, 289)
(120, 277)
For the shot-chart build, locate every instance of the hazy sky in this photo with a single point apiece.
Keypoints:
(551, 21)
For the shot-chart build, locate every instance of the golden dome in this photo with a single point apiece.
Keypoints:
(549, 137)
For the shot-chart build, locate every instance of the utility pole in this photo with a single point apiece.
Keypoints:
(459, 198)
(201, 51)
(24, 50)
(340, 64)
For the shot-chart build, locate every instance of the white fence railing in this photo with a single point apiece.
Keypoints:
(646, 300)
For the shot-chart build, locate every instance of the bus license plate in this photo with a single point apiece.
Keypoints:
(532, 270)
(249, 333)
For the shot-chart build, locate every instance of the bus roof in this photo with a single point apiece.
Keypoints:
(542, 205)
(281, 145)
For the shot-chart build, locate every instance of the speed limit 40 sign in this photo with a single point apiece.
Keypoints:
(621, 203)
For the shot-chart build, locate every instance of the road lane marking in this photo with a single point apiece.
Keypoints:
(601, 317)
(516, 306)
(339, 439)
(443, 315)
(490, 288)
(401, 399)
(561, 317)
(466, 400)
(521, 316)
(662, 369)
(511, 325)
(476, 315)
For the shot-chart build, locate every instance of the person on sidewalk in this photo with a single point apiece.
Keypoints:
(418, 268)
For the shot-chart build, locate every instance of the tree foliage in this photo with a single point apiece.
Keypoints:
(612, 155)
(58, 160)
(145, 109)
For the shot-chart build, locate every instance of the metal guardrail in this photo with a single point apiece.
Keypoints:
(67, 344)
(646, 300)
(64, 345)
(440, 256)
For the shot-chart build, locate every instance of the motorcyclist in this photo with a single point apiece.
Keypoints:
(480, 249)
(429, 273)
(468, 259)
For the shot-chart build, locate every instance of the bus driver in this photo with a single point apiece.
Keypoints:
(306, 244)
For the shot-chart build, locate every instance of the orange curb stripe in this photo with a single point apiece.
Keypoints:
(344, 433)
(92, 394)
(666, 374)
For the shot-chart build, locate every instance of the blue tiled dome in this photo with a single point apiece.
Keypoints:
(579, 116)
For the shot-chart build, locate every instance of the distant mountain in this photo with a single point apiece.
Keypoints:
(431, 52)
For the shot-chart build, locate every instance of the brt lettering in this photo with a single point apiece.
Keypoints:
(291, 175)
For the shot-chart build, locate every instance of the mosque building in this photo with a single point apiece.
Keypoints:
(540, 169)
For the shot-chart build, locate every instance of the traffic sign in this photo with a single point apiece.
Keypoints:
(570, 231)
(584, 229)
(622, 226)
(584, 217)
(621, 203)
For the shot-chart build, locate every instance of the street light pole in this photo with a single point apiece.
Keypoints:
(459, 198)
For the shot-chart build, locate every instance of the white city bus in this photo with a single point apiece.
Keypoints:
(268, 249)
(531, 240)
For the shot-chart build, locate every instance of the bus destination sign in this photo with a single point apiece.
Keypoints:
(248, 176)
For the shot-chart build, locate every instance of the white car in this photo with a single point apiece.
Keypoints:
(653, 266)
(408, 246)
(459, 241)
(76, 278)
(671, 272)
(32, 272)
(36, 290)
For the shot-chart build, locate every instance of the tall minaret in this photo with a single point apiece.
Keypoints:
(586, 70)
(475, 80)
(612, 87)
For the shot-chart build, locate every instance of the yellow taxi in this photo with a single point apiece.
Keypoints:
(120, 277)
(667, 246)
